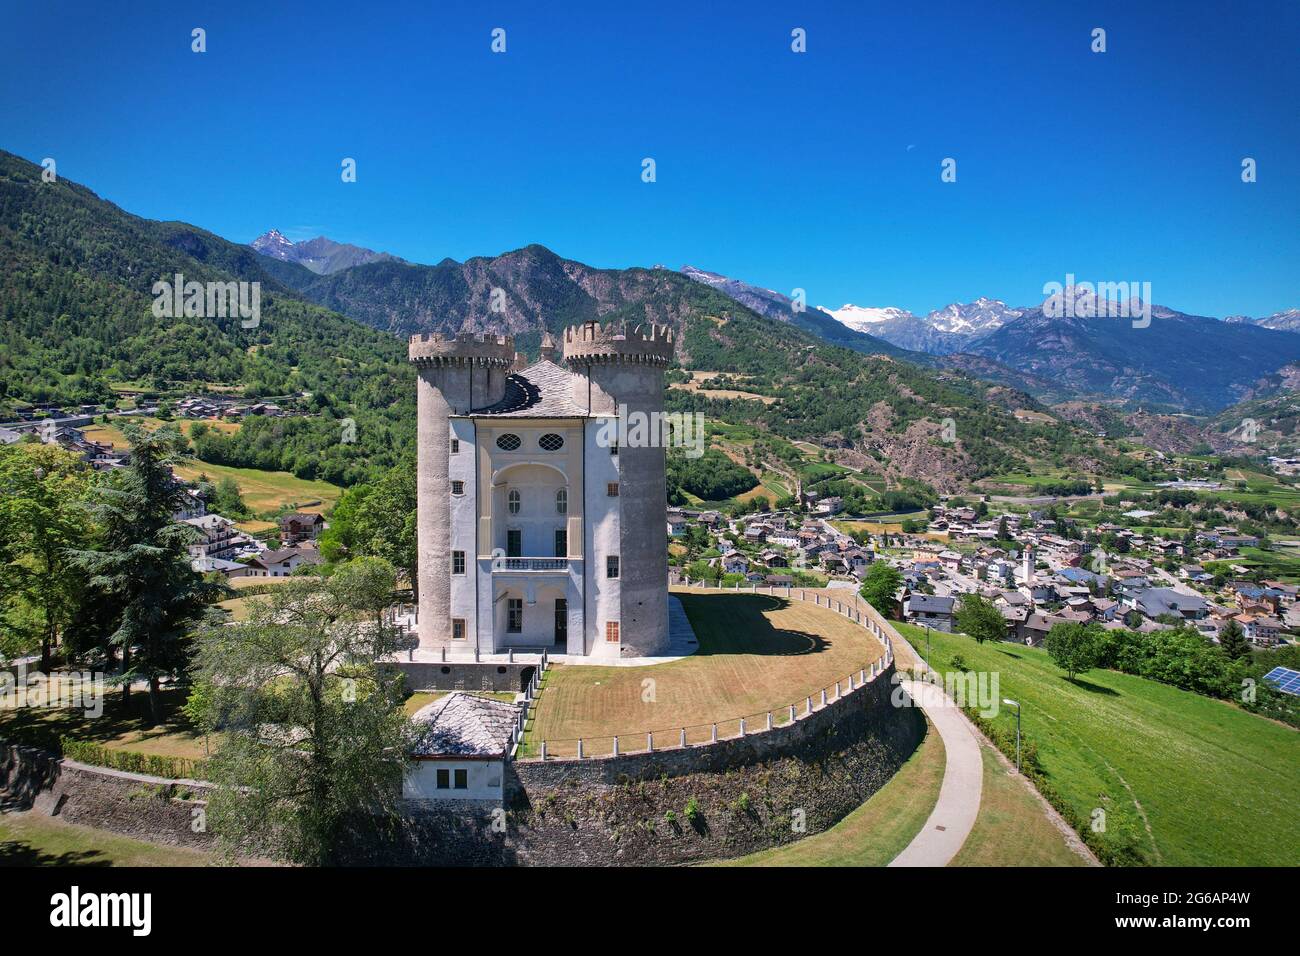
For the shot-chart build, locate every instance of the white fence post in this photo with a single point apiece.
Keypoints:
(649, 742)
(616, 745)
(769, 720)
(683, 736)
(543, 749)
(579, 748)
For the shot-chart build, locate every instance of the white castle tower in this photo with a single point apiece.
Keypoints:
(535, 530)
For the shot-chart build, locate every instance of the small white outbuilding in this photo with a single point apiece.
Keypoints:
(460, 752)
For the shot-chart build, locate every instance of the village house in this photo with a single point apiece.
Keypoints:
(218, 537)
(298, 527)
(929, 610)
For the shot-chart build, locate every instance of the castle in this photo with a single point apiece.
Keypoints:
(535, 530)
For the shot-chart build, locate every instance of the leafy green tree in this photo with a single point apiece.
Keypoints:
(980, 618)
(228, 500)
(1233, 641)
(142, 565)
(1074, 647)
(42, 494)
(377, 520)
(880, 586)
(314, 738)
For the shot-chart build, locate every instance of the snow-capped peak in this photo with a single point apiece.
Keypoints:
(860, 318)
(273, 244)
(982, 315)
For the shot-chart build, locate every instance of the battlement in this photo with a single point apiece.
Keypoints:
(591, 342)
(463, 348)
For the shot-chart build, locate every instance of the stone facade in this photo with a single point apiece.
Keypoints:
(533, 531)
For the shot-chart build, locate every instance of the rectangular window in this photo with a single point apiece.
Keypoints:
(458, 487)
(514, 542)
(458, 562)
(613, 447)
(514, 615)
(455, 446)
(458, 629)
(611, 566)
(462, 779)
(611, 631)
(444, 779)
(561, 543)
(611, 489)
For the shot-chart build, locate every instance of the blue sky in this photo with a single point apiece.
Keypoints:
(818, 170)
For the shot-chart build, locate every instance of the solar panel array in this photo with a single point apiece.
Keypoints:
(1284, 679)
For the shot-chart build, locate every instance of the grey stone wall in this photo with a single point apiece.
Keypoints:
(503, 678)
(149, 808)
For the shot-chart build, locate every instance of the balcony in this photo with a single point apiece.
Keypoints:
(530, 564)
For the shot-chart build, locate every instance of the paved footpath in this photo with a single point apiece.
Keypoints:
(963, 781)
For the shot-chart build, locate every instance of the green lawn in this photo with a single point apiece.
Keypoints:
(1013, 828)
(33, 839)
(118, 728)
(1186, 780)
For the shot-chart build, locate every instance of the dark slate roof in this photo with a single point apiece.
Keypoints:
(543, 390)
(930, 604)
(463, 725)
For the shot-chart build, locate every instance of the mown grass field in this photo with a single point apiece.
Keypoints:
(757, 653)
(33, 839)
(1186, 780)
(261, 490)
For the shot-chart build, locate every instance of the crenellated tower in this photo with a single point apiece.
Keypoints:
(619, 371)
(456, 374)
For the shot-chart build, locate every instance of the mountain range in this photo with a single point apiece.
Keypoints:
(320, 255)
(76, 279)
(1177, 362)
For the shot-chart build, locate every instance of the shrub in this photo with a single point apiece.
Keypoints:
(692, 810)
(155, 765)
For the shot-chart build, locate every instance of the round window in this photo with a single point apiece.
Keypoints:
(551, 442)
(509, 442)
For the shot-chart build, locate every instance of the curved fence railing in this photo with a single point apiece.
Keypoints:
(668, 737)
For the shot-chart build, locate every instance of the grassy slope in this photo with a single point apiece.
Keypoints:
(261, 490)
(1012, 828)
(1192, 781)
(32, 839)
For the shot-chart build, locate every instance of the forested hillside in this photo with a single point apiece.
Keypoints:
(76, 274)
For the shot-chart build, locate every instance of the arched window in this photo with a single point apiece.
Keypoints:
(562, 501)
(550, 442)
(512, 501)
(509, 442)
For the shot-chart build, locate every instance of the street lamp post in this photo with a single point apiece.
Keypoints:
(1016, 705)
